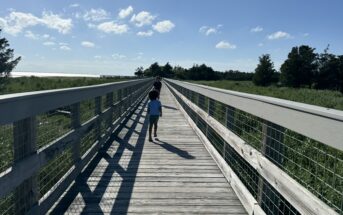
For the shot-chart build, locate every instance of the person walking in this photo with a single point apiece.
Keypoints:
(154, 112)
(158, 85)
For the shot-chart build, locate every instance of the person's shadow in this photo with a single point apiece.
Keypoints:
(174, 149)
(169, 107)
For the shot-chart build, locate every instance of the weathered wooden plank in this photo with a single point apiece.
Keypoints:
(164, 202)
(154, 179)
(111, 183)
(204, 209)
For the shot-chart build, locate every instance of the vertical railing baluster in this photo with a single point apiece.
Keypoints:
(230, 118)
(211, 107)
(76, 124)
(120, 99)
(109, 102)
(24, 135)
(272, 148)
(97, 113)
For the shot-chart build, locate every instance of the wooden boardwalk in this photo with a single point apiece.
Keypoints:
(174, 174)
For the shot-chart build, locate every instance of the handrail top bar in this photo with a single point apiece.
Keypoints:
(307, 108)
(14, 107)
(315, 122)
(5, 97)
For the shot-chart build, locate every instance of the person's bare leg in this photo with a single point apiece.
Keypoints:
(155, 129)
(150, 131)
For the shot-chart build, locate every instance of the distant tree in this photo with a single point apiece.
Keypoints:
(300, 67)
(340, 58)
(180, 72)
(167, 71)
(154, 70)
(264, 71)
(139, 72)
(7, 61)
(328, 76)
(237, 75)
(201, 72)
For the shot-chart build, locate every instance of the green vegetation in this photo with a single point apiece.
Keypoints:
(7, 61)
(264, 72)
(324, 98)
(26, 84)
(300, 67)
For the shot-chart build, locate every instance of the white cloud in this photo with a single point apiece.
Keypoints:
(74, 5)
(31, 35)
(112, 27)
(145, 33)
(209, 30)
(54, 21)
(142, 18)
(117, 56)
(306, 34)
(279, 35)
(87, 44)
(163, 26)
(16, 22)
(260, 44)
(203, 29)
(123, 13)
(77, 15)
(96, 15)
(97, 57)
(65, 48)
(49, 43)
(46, 36)
(91, 25)
(256, 29)
(63, 44)
(225, 45)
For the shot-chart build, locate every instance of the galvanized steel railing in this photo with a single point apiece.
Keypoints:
(287, 155)
(47, 137)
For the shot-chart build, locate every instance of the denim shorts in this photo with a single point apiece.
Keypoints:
(153, 119)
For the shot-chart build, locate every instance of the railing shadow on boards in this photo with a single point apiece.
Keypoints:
(48, 137)
(279, 156)
(82, 198)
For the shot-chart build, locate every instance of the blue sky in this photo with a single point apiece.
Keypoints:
(115, 37)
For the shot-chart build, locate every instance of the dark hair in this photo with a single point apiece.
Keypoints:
(153, 95)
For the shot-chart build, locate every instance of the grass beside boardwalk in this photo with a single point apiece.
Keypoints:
(26, 84)
(324, 98)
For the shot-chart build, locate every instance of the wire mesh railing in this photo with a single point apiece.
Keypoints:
(45, 146)
(314, 165)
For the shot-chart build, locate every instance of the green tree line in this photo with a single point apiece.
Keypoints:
(196, 72)
(303, 68)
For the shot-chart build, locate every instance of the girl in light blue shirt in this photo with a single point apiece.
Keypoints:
(154, 111)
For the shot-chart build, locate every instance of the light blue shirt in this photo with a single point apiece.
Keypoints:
(154, 107)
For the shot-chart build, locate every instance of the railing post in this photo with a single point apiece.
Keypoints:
(272, 148)
(98, 112)
(230, 118)
(75, 124)
(109, 102)
(24, 135)
(120, 97)
(211, 107)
